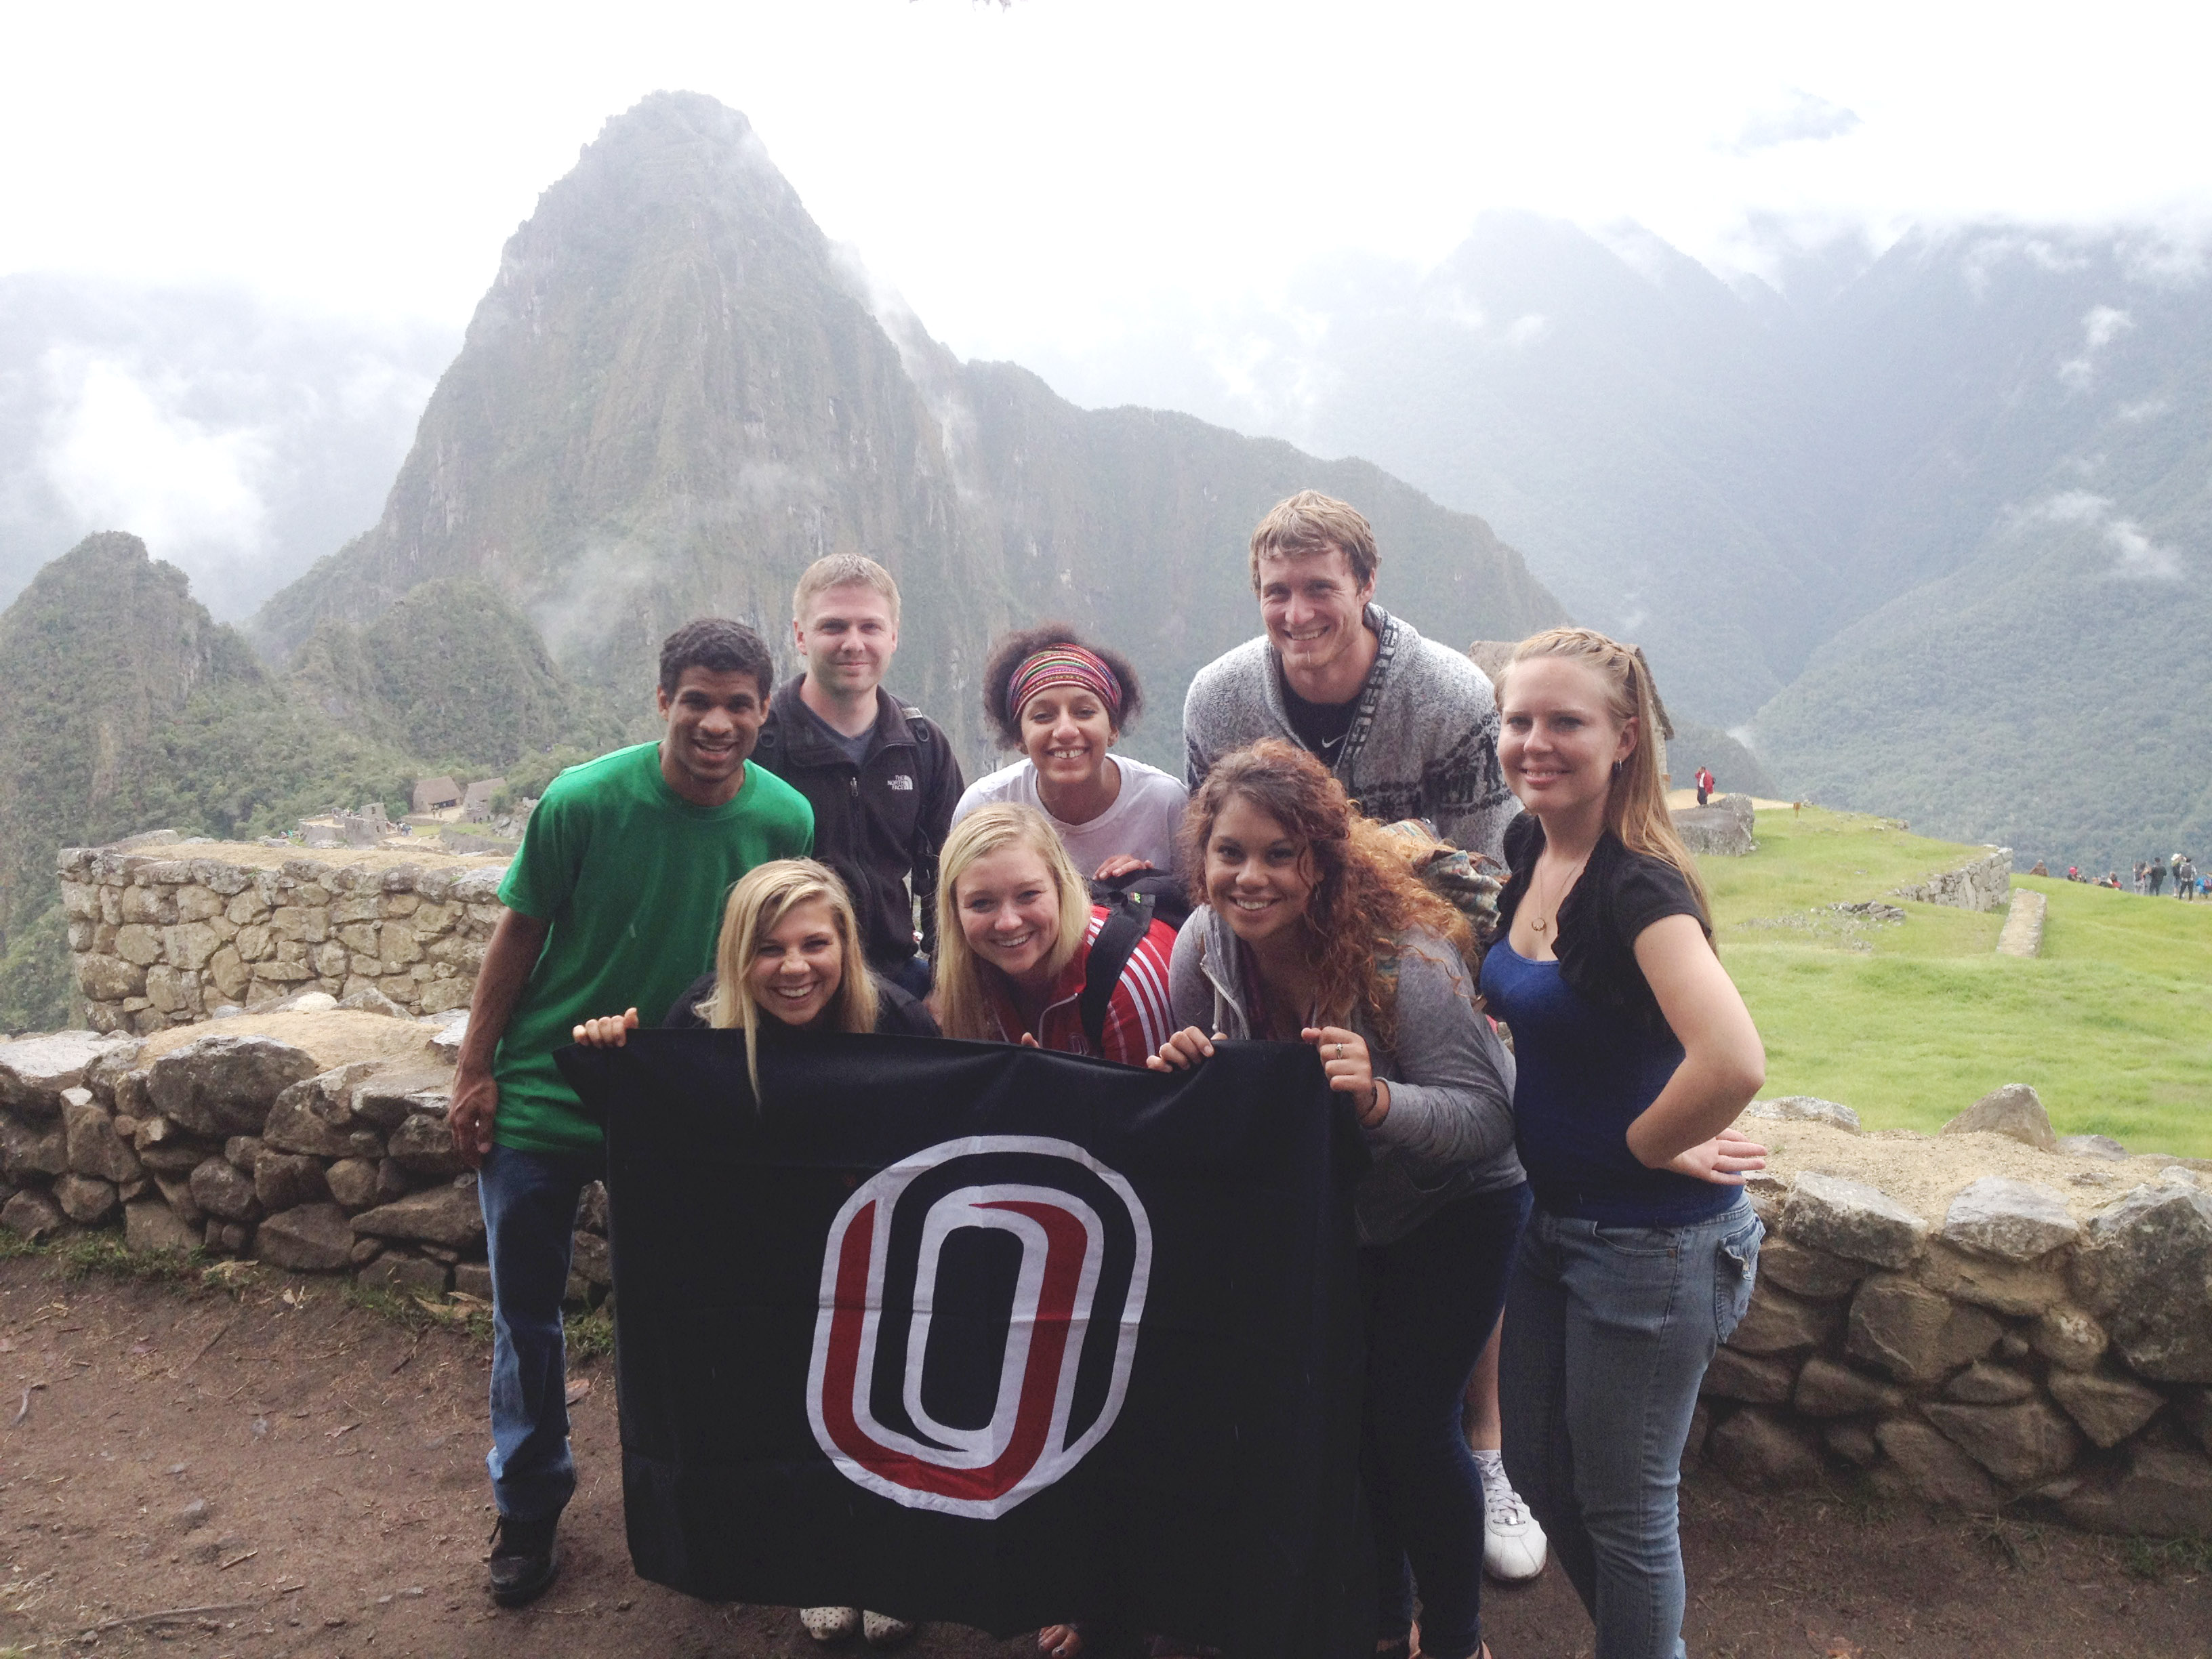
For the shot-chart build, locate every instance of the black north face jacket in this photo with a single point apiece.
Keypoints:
(877, 824)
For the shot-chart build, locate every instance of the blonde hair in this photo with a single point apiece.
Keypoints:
(759, 901)
(842, 570)
(962, 1009)
(1635, 805)
(1309, 522)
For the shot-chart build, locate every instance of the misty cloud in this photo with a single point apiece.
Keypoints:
(241, 440)
(1803, 118)
(2099, 328)
(2136, 556)
(121, 454)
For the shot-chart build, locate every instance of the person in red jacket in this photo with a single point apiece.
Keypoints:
(1015, 931)
(1704, 784)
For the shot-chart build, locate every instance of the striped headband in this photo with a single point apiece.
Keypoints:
(1064, 664)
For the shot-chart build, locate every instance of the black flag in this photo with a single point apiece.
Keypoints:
(970, 1332)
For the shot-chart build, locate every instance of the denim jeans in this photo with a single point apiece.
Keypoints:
(912, 976)
(1431, 1299)
(1608, 1331)
(530, 1202)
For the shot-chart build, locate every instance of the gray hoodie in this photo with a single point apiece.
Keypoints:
(1422, 742)
(1450, 1131)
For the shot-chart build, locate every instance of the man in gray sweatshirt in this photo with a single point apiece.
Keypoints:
(1408, 726)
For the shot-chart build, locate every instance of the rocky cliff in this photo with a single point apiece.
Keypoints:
(677, 394)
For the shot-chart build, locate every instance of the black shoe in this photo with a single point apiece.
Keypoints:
(524, 1561)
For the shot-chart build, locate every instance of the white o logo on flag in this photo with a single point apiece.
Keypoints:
(907, 1259)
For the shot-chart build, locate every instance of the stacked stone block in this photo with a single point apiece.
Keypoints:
(242, 1145)
(161, 941)
(2008, 1353)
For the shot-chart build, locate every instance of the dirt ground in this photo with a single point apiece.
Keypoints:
(273, 1470)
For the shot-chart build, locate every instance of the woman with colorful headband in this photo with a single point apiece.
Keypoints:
(1063, 703)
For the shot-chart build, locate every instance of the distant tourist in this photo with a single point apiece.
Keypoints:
(1704, 784)
(2188, 888)
(1063, 703)
(1635, 1054)
(612, 902)
(1407, 727)
(2041, 869)
(790, 949)
(2157, 875)
(881, 776)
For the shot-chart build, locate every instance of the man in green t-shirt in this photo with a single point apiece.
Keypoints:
(615, 902)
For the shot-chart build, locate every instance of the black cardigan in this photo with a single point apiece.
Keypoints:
(898, 1013)
(1618, 894)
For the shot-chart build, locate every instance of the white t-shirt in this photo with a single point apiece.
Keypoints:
(1142, 822)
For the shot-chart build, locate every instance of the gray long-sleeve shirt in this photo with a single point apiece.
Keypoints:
(1450, 1129)
(1422, 742)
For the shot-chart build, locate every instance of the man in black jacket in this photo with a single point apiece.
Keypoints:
(880, 775)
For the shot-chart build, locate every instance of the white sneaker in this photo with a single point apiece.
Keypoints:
(1513, 1545)
(880, 1630)
(829, 1624)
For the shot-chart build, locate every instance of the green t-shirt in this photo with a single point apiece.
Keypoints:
(633, 878)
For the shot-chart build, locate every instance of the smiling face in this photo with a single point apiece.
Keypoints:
(798, 964)
(848, 636)
(714, 721)
(1009, 910)
(1314, 612)
(1066, 731)
(1559, 736)
(1258, 876)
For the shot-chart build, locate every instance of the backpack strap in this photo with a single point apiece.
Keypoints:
(1127, 921)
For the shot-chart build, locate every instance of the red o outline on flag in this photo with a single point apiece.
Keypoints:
(980, 1472)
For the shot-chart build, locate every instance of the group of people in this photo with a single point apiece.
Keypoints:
(2151, 874)
(2149, 877)
(815, 849)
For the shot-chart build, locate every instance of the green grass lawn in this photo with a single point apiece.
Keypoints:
(1909, 1023)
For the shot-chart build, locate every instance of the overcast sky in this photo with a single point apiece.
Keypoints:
(1026, 175)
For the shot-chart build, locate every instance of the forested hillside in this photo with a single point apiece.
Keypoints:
(1929, 530)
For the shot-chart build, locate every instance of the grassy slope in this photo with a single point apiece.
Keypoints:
(1911, 1022)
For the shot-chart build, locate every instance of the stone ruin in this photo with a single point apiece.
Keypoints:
(1721, 829)
(2033, 1326)
(165, 935)
(313, 1139)
(1986, 883)
(2042, 1334)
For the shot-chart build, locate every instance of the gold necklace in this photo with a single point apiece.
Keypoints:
(1541, 923)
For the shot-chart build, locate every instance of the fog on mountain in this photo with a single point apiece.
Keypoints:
(1926, 529)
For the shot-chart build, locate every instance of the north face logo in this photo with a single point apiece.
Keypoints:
(979, 1312)
(902, 781)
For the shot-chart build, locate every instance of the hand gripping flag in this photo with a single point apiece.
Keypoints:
(970, 1332)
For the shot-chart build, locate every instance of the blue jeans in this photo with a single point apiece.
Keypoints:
(1608, 1331)
(530, 1202)
(912, 976)
(1431, 1300)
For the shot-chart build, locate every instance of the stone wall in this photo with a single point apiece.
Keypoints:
(314, 1140)
(1722, 829)
(1989, 1317)
(163, 936)
(2041, 1335)
(1984, 884)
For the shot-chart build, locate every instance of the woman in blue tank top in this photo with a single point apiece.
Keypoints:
(1634, 1056)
